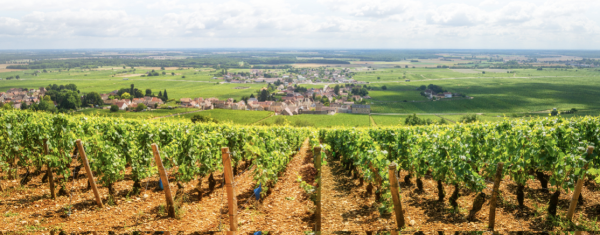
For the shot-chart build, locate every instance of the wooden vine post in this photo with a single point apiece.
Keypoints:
(165, 181)
(495, 192)
(231, 199)
(396, 196)
(578, 189)
(318, 160)
(88, 171)
(49, 171)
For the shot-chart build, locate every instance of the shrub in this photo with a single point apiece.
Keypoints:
(469, 118)
(114, 108)
(199, 118)
(140, 107)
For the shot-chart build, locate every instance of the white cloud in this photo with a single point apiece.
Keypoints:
(371, 8)
(267, 23)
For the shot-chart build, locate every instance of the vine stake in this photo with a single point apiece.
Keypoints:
(88, 171)
(231, 200)
(50, 177)
(318, 201)
(578, 188)
(396, 196)
(495, 192)
(165, 181)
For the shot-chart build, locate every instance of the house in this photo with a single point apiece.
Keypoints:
(277, 107)
(361, 108)
(185, 102)
(122, 105)
(287, 112)
(447, 94)
(239, 105)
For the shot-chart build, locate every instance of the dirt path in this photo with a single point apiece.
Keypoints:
(447, 118)
(345, 205)
(372, 121)
(286, 209)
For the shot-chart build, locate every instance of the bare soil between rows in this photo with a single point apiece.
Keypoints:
(29, 208)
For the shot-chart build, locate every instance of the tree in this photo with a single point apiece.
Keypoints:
(24, 106)
(336, 89)
(124, 67)
(18, 77)
(47, 98)
(71, 86)
(131, 91)
(252, 95)
(125, 96)
(482, 72)
(422, 87)
(160, 94)
(164, 73)
(264, 95)
(165, 95)
(93, 98)
(162, 68)
(182, 76)
(148, 92)
(173, 73)
(114, 108)
(378, 78)
(384, 87)
(140, 107)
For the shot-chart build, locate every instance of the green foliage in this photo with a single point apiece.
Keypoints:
(469, 118)
(413, 120)
(140, 107)
(194, 149)
(200, 119)
(114, 108)
(126, 96)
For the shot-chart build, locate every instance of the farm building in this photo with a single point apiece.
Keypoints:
(361, 108)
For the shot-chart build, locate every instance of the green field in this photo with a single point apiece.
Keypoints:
(226, 115)
(340, 119)
(125, 114)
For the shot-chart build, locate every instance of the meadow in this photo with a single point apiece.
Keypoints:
(229, 116)
(137, 115)
(337, 120)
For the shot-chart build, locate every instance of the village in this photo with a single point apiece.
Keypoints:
(299, 76)
(290, 103)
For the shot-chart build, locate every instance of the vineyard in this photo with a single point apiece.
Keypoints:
(449, 175)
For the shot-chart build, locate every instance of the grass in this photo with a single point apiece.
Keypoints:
(389, 120)
(226, 115)
(340, 119)
(140, 115)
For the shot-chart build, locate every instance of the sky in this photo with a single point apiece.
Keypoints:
(326, 24)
